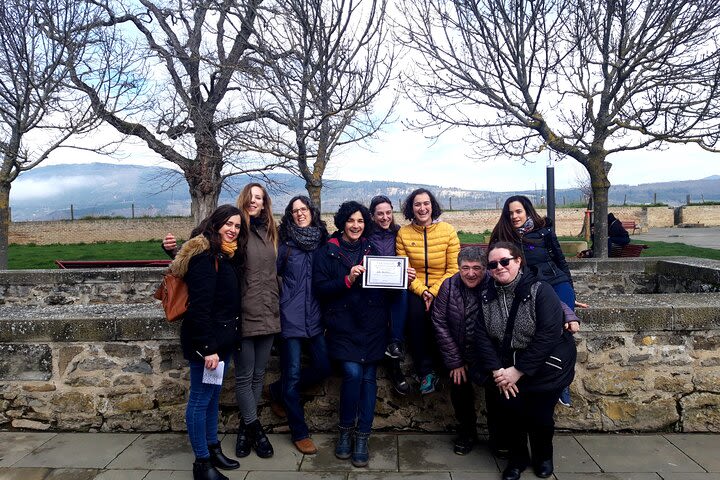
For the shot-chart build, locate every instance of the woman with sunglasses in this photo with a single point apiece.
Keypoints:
(302, 233)
(521, 224)
(524, 350)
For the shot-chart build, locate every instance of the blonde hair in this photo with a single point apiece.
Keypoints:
(243, 201)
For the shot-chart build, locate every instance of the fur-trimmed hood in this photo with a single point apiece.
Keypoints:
(189, 249)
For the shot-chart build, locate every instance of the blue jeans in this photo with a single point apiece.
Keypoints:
(357, 395)
(566, 293)
(201, 414)
(398, 314)
(293, 378)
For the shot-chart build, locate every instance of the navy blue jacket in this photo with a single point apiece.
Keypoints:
(544, 257)
(356, 319)
(384, 240)
(300, 315)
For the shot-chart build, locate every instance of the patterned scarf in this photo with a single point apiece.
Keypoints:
(306, 238)
(528, 226)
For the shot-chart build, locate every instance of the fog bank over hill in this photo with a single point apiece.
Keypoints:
(102, 189)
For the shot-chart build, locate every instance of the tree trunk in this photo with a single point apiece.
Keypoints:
(601, 187)
(314, 190)
(4, 223)
(204, 177)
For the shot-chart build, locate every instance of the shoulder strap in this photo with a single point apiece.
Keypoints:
(510, 326)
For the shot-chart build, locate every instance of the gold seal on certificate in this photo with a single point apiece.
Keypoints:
(385, 272)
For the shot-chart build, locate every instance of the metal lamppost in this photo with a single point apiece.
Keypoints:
(550, 174)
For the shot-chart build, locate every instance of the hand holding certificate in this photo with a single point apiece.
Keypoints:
(385, 272)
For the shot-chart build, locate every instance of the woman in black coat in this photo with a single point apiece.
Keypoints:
(356, 320)
(209, 266)
(522, 343)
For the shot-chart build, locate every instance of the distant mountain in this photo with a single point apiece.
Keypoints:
(101, 189)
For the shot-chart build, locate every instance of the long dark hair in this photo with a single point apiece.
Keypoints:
(211, 225)
(345, 212)
(315, 220)
(504, 230)
(408, 204)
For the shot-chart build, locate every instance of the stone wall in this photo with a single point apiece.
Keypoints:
(89, 351)
(569, 221)
(708, 215)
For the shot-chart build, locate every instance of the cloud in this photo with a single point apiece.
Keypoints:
(23, 190)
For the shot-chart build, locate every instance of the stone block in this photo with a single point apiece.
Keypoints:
(171, 393)
(701, 412)
(122, 350)
(706, 342)
(134, 403)
(632, 414)
(19, 361)
(674, 383)
(707, 380)
(30, 425)
(73, 402)
(614, 383)
(67, 355)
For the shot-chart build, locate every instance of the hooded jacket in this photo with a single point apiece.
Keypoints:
(544, 257)
(299, 309)
(210, 324)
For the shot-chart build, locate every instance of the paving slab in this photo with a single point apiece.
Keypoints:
(177, 475)
(435, 453)
(607, 476)
(16, 445)
(636, 453)
(296, 476)
(156, 451)
(690, 476)
(383, 455)
(122, 475)
(40, 473)
(702, 448)
(78, 450)
(569, 456)
(404, 476)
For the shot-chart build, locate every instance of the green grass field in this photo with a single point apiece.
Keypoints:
(44, 256)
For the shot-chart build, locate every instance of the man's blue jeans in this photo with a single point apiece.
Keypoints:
(294, 378)
(201, 414)
(357, 395)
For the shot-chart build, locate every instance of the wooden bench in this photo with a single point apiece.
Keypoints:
(111, 263)
(629, 250)
(629, 225)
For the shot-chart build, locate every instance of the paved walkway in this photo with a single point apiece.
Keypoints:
(156, 456)
(700, 237)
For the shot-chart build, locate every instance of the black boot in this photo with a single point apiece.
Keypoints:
(360, 454)
(397, 377)
(261, 444)
(243, 443)
(219, 460)
(464, 442)
(203, 470)
(542, 451)
(343, 446)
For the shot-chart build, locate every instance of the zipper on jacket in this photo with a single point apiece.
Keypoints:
(427, 274)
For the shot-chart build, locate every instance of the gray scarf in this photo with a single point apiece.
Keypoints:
(306, 238)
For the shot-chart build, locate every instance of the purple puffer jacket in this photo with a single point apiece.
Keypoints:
(383, 241)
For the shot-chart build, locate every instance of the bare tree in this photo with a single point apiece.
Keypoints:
(320, 68)
(585, 79)
(38, 113)
(185, 58)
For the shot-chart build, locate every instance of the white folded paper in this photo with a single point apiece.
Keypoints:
(214, 377)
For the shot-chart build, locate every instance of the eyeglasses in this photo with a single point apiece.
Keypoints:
(300, 210)
(474, 268)
(503, 261)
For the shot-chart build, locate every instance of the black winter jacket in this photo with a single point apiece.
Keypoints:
(544, 257)
(211, 322)
(356, 319)
(548, 362)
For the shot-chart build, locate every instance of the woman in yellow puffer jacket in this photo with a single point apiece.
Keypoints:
(432, 248)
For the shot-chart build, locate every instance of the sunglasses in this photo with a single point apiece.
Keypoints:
(503, 261)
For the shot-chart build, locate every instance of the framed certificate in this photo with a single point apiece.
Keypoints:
(385, 272)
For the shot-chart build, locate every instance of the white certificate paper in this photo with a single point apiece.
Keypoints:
(214, 377)
(385, 272)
